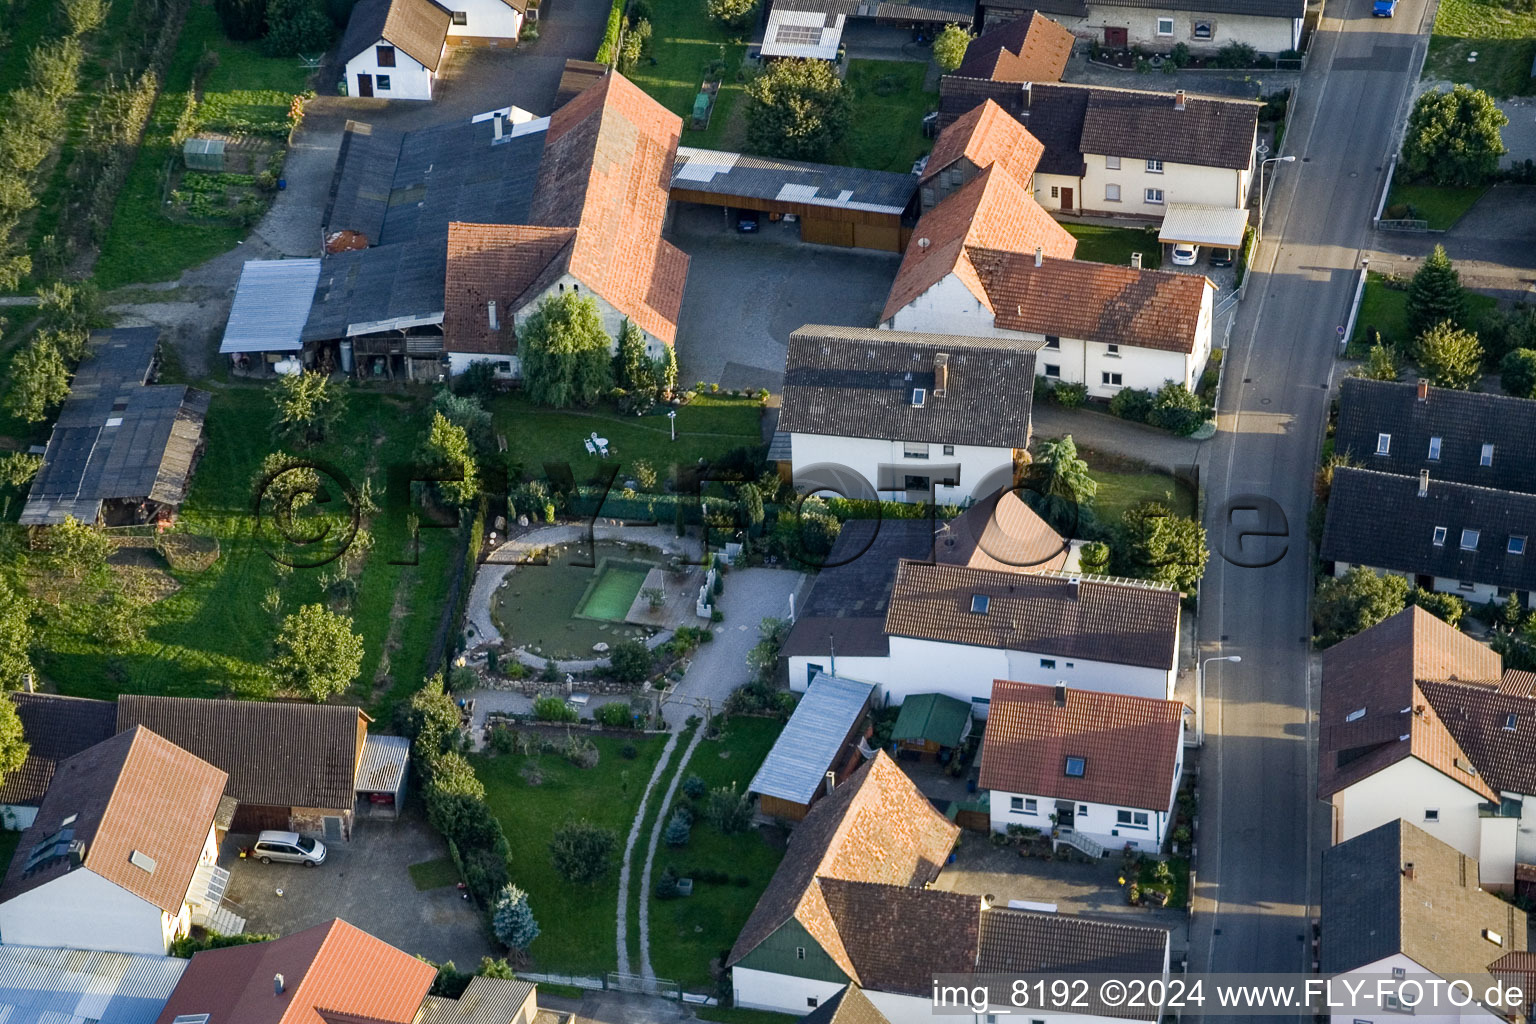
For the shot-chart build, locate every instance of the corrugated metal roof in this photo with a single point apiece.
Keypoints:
(798, 762)
(735, 174)
(485, 1001)
(71, 986)
(271, 305)
(1203, 225)
(383, 766)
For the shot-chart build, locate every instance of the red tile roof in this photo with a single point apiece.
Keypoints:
(1093, 301)
(1130, 745)
(134, 793)
(607, 171)
(991, 211)
(1001, 532)
(494, 263)
(987, 135)
(331, 971)
(1030, 48)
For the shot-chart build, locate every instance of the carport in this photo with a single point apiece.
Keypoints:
(381, 776)
(845, 206)
(1193, 224)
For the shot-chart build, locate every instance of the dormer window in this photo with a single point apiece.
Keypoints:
(1383, 444)
(1486, 459)
(979, 604)
(1439, 536)
(1434, 449)
(1076, 767)
(1469, 540)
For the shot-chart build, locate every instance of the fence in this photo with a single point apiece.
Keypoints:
(616, 982)
(1403, 225)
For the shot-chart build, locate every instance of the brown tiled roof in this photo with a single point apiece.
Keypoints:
(276, 753)
(1093, 301)
(991, 211)
(1023, 942)
(988, 137)
(134, 793)
(1030, 48)
(419, 27)
(606, 171)
(849, 1006)
(1497, 730)
(1150, 126)
(1130, 745)
(876, 827)
(1126, 624)
(55, 727)
(1373, 712)
(1001, 532)
(898, 937)
(494, 263)
(1517, 682)
(330, 971)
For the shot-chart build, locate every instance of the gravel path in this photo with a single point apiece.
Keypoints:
(646, 970)
(629, 851)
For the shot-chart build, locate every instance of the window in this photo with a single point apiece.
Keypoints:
(504, 367)
(1486, 459)
(1111, 380)
(384, 56)
(811, 671)
(1399, 972)
(1516, 545)
(1165, 26)
(1511, 720)
(1047, 662)
(1355, 715)
(915, 450)
(805, 35)
(799, 952)
(1016, 804)
(1055, 191)
(1053, 370)
(810, 1001)
(1469, 540)
(1431, 814)
(915, 483)
(1466, 585)
(1154, 167)
(1082, 810)
(949, 449)
(1031, 806)
(1132, 819)
(460, 18)
(1052, 341)
(1111, 163)
(1111, 193)
(1203, 30)
(1114, 351)
(1383, 444)
(1154, 196)
(1434, 449)
(382, 81)
(1076, 767)
(979, 603)
(1439, 536)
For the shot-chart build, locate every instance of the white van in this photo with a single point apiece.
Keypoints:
(288, 848)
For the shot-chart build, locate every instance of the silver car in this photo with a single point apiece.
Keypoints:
(288, 848)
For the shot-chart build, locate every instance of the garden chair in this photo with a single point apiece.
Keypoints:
(591, 448)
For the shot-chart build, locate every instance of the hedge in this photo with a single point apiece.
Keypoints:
(608, 52)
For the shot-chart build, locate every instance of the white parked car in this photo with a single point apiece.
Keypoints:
(1185, 255)
(288, 848)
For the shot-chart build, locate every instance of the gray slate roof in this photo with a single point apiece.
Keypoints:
(1463, 420)
(959, 11)
(79, 986)
(812, 742)
(117, 438)
(1380, 520)
(858, 382)
(737, 175)
(402, 282)
(1371, 909)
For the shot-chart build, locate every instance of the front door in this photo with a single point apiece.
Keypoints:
(1114, 38)
(1066, 200)
(1065, 813)
(365, 85)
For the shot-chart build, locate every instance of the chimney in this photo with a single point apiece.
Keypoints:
(1178, 100)
(498, 129)
(490, 314)
(1423, 482)
(1135, 261)
(1408, 871)
(831, 781)
(1061, 694)
(1039, 255)
(940, 374)
(1423, 389)
(277, 984)
(26, 681)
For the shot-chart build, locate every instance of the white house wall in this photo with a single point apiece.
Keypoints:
(1179, 183)
(983, 468)
(1406, 790)
(82, 910)
(485, 21)
(781, 993)
(612, 319)
(505, 366)
(1267, 35)
(408, 79)
(1370, 974)
(1496, 852)
(948, 307)
(1525, 830)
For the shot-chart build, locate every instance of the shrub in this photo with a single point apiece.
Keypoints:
(727, 810)
(1070, 395)
(1132, 404)
(1447, 607)
(583, 852)
(463, 678)
(630, 661)
(295, 27)
(694, 787)
(512, 920)
(581, 753)
(615, 715)
(1236, 55)
(553, 709)
(1517, 373)
(666, 885)
(949, 47)
(734, 14)
(678, 829)
(1177, 410)
(629, 752)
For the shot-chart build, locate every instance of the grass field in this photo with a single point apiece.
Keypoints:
(1441, 206)
(1386, 309)
(577, 925)
(434, 874)
(687, 933)
(886, 133)
(143, 244)
(1503, 39)
(685, 40)
(1099, 244)
(1124, 483)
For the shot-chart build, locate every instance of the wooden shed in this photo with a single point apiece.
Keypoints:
(820, 747)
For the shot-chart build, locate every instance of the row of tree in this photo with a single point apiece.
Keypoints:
(285, 27)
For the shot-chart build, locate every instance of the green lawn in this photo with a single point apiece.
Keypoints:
(1124, 483)
(1503, 39)
(143, 244)
(1099, 244)
(685, 40)
(434, 874)
(577, 924)
(1441, 206)
(706, 427)
(687, 933)
(1386, 309)
(213, 635)
(1177, 886)
(886, 133)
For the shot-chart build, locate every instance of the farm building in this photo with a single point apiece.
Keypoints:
(821, 746)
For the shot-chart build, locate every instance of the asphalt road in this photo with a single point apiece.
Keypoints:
(1262, 829)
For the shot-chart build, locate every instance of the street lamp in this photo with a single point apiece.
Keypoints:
(1200, 695)
(672, 422)
(1287, 159)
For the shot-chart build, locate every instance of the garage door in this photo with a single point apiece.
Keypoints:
(886, 237)
(259, 818)
(826, 232)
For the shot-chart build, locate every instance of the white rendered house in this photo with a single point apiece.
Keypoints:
(393, 48)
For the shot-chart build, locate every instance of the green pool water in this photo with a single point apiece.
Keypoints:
(564, 609)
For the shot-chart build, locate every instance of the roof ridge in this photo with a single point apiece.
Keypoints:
(1143, 93)
(1434, 480)
(1405, 386)
(298, 990)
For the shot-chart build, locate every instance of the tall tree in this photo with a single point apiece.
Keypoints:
(1380, 364)
(1435, 294)
(1162, 546)
(307, 405)
(1060, 487)
(39, 381)
(735, 14)
(242, 19)
(449, 451)
(949, 47)
(798, 109)
(78, 548)
(1454, 137)
(631, 366)
(565, 352)
(318, 655)
(665, 369)
(1357, 600)
(1450, 357)
(13, 740)
(16, 636)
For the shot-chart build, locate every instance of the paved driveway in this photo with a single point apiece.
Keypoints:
(1497, 231)
(746, 293)
(364, 882)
